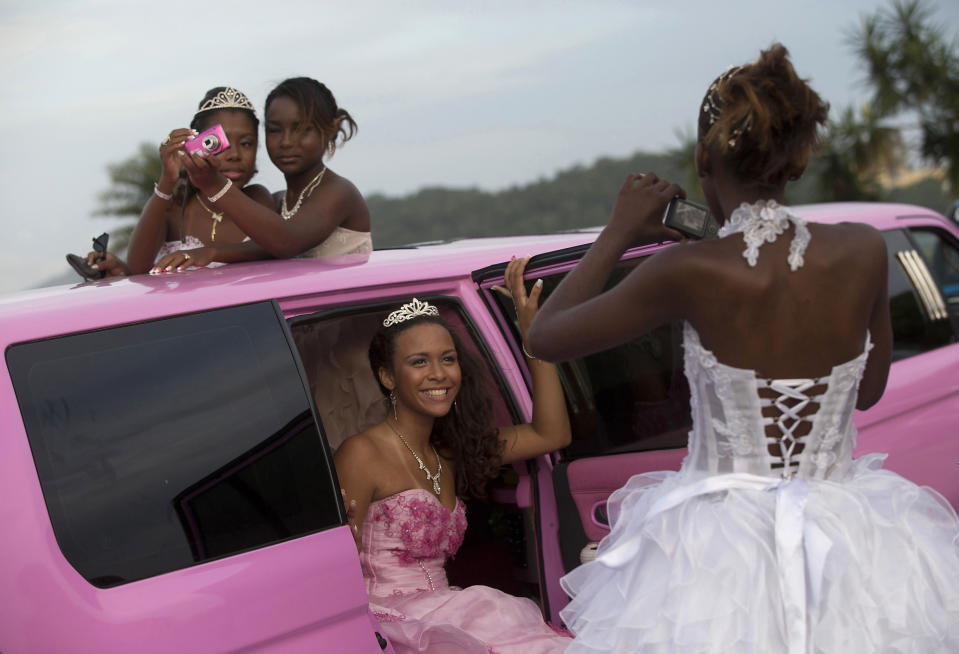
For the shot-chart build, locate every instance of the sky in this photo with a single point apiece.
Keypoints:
(484, 94)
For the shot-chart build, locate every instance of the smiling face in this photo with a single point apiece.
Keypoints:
(426, 373)
(294, 147)
(238, 162)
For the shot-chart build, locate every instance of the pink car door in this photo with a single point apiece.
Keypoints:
(629, 410)
(175, 494)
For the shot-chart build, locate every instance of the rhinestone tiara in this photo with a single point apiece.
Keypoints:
(409, 311)
(228, 98)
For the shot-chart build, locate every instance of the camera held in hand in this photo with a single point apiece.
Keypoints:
(690, 218)
(211, 141)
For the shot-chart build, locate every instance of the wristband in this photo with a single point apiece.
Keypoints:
(160, 194)
(219, 194)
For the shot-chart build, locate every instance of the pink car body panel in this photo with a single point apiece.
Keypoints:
(306, 593)
(302, 595)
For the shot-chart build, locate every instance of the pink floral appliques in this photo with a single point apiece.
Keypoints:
(427, 529)
(383, 616)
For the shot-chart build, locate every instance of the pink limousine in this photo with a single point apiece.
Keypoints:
(165, 448)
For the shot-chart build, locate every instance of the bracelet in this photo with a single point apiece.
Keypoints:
(525, 351)
(219, 194)
(160, 194)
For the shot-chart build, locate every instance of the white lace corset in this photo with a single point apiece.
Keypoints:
(731, 434)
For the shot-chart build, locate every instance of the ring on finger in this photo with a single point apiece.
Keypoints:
(186, 255)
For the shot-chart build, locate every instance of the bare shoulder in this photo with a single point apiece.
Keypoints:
(343, 198)
(858, 239)
(361, 447)
(259, 193)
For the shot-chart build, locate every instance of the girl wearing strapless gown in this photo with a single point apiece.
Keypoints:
(770, 537)
(403, 479)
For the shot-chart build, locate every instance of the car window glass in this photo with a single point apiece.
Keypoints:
(629, 398)
(916, 328)
(941, 255)
(167, 443)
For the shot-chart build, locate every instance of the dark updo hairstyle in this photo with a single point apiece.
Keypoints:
(318, 108)
(466, 434)
(763, 120)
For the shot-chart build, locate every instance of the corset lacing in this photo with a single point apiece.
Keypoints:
(793, 420)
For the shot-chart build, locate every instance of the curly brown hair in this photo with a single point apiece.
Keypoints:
(763, 120)
(466, 435)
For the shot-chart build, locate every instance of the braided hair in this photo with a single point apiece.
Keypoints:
(763, 119)
(318, 108)
(466, 434)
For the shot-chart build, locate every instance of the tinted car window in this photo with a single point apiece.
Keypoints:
(941, 255)
(916, 326)
(163, 444)
(630, 398)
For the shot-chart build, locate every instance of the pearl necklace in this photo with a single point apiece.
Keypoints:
(305, 193)
(435, 477)
(215, 216)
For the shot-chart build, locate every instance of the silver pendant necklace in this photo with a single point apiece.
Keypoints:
(434, 477)
(305, 193)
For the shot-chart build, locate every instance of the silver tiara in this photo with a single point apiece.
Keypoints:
(228, 98)
(410, 311)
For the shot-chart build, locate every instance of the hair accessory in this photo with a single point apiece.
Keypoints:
(160, 194)
(228, 98)
(409, 311)
(219, 194)
(713, 106)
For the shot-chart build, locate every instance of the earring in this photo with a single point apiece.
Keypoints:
(393, 405)
(331, 147)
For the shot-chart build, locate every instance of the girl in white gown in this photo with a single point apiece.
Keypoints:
(771, 537)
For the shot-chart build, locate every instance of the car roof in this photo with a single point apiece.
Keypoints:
(881, 215)
(46, 312)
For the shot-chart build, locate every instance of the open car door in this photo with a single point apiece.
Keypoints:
(629, 413)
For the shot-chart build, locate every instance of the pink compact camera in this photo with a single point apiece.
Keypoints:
(209, 142)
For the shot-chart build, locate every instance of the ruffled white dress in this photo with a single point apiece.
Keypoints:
(741, 551)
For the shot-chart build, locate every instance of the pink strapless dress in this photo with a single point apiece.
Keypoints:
(407, 538)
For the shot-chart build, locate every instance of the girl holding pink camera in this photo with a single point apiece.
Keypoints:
(178, 218)
(320, 214)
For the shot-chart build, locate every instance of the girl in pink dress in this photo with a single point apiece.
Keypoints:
(404, 478)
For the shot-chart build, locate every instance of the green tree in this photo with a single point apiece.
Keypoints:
(857, 151)
(913, 69)
(132, 183)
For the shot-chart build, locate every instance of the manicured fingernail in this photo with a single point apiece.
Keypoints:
(168, 269)
(539, 282)
(181, 153)
(95, 267)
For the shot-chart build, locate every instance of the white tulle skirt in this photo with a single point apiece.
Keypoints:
(877, 556)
